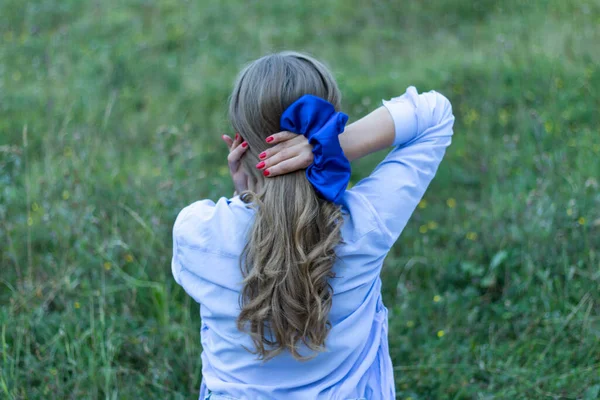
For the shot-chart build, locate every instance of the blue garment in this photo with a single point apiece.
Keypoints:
(208, 239)
(318, 121)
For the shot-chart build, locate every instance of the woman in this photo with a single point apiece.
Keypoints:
(287, 273)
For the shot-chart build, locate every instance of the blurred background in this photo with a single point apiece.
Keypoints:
(110, 117)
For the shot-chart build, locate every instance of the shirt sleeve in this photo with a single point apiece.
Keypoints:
(188, 224)
(423, 125)
(175, 260)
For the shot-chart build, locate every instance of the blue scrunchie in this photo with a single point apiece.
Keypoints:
(318, 121)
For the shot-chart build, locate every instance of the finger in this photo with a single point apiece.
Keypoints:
(287, 153)
(237, 140)
(280, 137)
(287, 166)
(235, 155)
(228, 141)
(293, 142)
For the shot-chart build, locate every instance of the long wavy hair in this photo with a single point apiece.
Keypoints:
(288, 259)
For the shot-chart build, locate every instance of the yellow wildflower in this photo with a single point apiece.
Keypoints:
(77, 305)
(471, 117)
(66, 195)
(558, 82)
(569, 211)
(128, 257)
(410, 323)
(107, 266)
(432, 225)
(451, 202)
(503, 117)
(423, 229)
(472, 236)
(423, 204)
(440, 333)
(437, 298)
(581, 221)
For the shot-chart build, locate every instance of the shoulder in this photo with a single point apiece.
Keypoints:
(214, 227)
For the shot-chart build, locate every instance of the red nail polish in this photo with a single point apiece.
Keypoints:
(260, 165)
(270, 139)
(262, 155)
(245, 144)
(237, 136)
(266, 172)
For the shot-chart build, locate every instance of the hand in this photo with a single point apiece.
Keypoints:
(237, 148)
(291, 152)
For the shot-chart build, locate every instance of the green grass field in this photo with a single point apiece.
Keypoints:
(110, 116)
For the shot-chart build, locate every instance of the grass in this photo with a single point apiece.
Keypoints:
(109, 120)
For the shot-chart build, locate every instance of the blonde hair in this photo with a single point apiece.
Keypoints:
(288, 259)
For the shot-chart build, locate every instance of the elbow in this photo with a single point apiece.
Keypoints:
(442, 113)
(444, 108)
(434, 115)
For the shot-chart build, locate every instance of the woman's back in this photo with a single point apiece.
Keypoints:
(210, 238)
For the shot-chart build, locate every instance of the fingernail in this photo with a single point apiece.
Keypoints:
(262, 155)
(245, 144)
(270, 139)
(260, 165)
(237, 136)
(266, 172)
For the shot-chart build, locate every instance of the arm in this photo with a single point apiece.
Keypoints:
(369, 134)
(291, 152)
(420, 128)
(423, 129)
